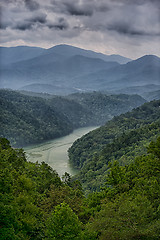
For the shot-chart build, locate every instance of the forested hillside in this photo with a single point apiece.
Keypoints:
(28, 119)
(122, 138)
(36, 204)
(105, 107)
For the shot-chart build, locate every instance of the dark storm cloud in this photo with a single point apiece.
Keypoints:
(111, 26)
(79, 8)
(128, 18)
(4, 22)
(41, 18)
(8, 1)
(29, 23)
(23, 26)
(127, 29)
(60, 24)
(32, 5)
(70, 7)
(137, 2)
(3, 25)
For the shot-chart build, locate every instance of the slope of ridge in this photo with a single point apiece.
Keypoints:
(140, 72)
(27, 119)
(73, 68)
(121, 139)
(51, 68)
(10, 55)
(68, 51)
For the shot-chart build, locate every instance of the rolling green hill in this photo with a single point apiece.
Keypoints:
(121, 139)
(104, 107)
(25, 120)
(28, 119)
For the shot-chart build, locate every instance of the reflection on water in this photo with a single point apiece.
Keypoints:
(54, 152)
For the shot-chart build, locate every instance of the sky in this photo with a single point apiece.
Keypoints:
(129, 28)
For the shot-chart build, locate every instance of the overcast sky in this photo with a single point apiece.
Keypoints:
(127, 27)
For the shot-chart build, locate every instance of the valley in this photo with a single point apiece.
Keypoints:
(61, 176)
(33, 119)
(55, 152)
(121, 139)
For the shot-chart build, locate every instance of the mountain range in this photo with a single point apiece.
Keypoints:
(65, 69)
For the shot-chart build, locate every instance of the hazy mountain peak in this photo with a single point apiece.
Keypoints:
(144, 61)
(68, 50)
(68, 67)
(19, 53)
(149, 57)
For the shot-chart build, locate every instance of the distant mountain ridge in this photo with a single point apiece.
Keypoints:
(140, 72)
(67, 50)
(10, 55)
(69, 69)
(21, 53)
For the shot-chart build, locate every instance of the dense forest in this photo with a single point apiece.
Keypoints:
(104, 107)
(28, 119)
(36, 204)
(122, 139)
(115, 195)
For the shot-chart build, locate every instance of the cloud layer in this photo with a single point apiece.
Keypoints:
(126, 27)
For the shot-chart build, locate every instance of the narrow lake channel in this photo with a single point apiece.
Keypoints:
(54, 152)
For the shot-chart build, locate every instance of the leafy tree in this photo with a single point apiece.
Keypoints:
(154, 148)
(130, 208)
(63, 224)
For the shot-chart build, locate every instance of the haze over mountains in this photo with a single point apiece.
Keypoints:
(27, 119)
(65, 69)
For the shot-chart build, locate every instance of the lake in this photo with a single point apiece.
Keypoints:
(54, 152)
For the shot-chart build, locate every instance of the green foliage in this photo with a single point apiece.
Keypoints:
(28, 119)
(103, 107)
(63, 224)
(130, 208)
(122, 139)
(36, 204)
(154, 148)
(25, 120)
(29, 192)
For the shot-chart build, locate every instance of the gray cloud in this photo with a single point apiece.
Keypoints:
(3, 25)
(126, 29)
(60, 24)
(40, 18)
(112, 26)
(4, 21)
(78, 10)
(32, 5)
(29, 23)
(128, 20)
(23, 26)
(79, 7)
(75, 8)
(137, 2)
